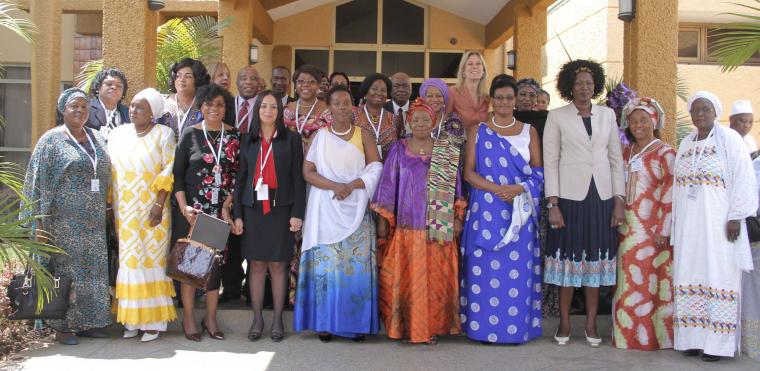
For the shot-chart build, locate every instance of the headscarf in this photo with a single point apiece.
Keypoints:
(419, 105)
(710, 97)
(154, 99)
(531, 83)
(648, 105)
(618, 97)
(436, 83)
(69, 95)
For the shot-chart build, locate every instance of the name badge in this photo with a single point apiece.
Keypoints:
(215, 196)
(95, 185)
(380, 151)
(218, 179)
(692, 193)
(258, 185)
(637, 165)
(262, 193)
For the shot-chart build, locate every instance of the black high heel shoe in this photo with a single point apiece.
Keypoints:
(254, 334)
(325, 337)
(214, 335)
(277, 336)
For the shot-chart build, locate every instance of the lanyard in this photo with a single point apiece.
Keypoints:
(110, 115)
(697, 158)
(93, 160)
(217, 155)
(180, 118)
(379, 123)
(265, 159)
(238, 119)
(440, 125)
(632, 157)
(300, 125)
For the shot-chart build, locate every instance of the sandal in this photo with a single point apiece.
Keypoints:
(433, 340)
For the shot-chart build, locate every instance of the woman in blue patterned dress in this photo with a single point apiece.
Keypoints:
(501, 256)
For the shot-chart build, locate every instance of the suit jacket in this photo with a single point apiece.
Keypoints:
(97, 117)
(571, 159)
(287, 151)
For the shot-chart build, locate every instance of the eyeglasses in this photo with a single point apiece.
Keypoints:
(703, 111)
(503, 97)
(526, 94)
(306, 82)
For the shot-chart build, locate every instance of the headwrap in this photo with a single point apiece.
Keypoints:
(154, 99)
(69, 95)
(710, 97)
(646, 104)
(531, 83)
(619, 96)
(436, 83)
(419, 105)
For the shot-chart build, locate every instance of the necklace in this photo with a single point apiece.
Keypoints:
(340, 134)
(421, 149)
(141, 133)
(493, 121)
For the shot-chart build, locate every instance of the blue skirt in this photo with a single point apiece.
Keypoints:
(337, 286)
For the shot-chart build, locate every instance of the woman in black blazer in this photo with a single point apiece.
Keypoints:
(107, 112)
(269, 205)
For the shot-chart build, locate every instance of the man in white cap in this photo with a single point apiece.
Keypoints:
(741, 120)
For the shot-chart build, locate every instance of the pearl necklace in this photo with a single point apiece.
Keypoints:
(340, 134)
(493, 121)
(140, 133)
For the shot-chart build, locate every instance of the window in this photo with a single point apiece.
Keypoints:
(355, 62)
(15, 107)
(696, 43)
(413, 64)
(444, 65)
(403, 23)
(319, 58)
(356, 22)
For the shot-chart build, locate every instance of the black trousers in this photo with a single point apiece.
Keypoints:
(232, 270)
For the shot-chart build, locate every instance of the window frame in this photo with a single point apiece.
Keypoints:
(17, 82)
(703, 57)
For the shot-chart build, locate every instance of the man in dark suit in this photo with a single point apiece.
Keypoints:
(106, 110)
(401, 91)
(281, 84)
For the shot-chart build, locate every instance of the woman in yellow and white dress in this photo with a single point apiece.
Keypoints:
(142, 157)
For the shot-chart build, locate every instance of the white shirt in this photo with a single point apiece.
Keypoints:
(239, 104)
(749, 141)
(404, 109)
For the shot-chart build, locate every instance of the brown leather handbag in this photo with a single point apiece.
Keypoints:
(195, 263)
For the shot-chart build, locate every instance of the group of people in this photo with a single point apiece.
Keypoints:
(472, 209)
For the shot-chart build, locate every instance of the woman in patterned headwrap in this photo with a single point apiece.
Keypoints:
(421, 208)
(643, 304)
(67, 180)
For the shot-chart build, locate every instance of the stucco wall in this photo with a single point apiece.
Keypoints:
(445, 25)
(313, 27)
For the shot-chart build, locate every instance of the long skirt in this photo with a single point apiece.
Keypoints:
(337, 286)
(751, 307)
(419, 291)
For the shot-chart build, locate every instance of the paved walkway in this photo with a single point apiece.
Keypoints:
(304, 352)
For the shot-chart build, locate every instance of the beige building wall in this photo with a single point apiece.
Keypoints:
(14, 50)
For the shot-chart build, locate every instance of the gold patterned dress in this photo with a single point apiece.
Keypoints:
(142, 167)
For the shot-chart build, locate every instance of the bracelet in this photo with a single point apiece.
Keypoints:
(159, 205)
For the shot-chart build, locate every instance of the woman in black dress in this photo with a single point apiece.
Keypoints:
(269, 205)
(205, 165)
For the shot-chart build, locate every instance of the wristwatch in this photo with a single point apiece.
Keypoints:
(549, 205)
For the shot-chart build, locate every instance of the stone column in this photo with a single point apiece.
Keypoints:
(650, 62)
(237, 37)
(46, 65)
(129, 42)
(529, 41)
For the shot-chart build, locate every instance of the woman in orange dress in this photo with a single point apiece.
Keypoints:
(643, 303)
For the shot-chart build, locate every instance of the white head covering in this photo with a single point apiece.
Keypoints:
(155, 100)
(710, 97)
(741, 106)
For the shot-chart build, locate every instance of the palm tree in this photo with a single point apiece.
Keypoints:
(194, 37)
(18, 243)
(738, 42)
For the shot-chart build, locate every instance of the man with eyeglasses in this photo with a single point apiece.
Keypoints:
(401, 91)
(281, 84)
(741, 120)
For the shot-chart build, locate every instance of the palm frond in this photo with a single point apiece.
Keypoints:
(683, 126)
(737, 42)
(87, 74)
(20, 26)
(682, 88)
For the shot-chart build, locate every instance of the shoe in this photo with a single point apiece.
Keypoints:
(254, 335)
(561, 340)
(214, 335)
(358, 338)
(96, 333)
(325, 337)
(128, 334)
(277, 336)
(147, 336)
(192, 337)
(710, 358)
(593, 342)
(691, 352)
(433, 340)
(66, 338)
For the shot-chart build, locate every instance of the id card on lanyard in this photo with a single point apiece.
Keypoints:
(376, 130)
(696, 162)
(217, 170)
(181, 118)
(94, 182)
(635, 163)
(262, 189)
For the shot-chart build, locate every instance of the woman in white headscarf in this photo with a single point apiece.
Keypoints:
(714, 191)
(142, 158)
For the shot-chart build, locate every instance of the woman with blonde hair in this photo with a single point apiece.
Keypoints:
(469, 98)
(220, 74)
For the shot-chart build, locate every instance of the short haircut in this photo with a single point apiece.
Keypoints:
(200, 74)
(502, 83)
(208, 93)
(369, 80)
(308, 69)
(332, 75)
(569, 71)
(106, 72)
(281, 67)
(336, 89)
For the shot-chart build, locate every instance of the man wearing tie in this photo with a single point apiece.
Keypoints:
(401, 91)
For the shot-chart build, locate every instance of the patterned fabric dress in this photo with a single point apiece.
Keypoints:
(387, 134)
(710, 190)
(172, 115)
(501, 255)
(142, 167)
(58, 180)
(643, 303)
(418, 276)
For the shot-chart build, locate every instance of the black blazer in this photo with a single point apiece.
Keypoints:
(97, 117)
(288, 163)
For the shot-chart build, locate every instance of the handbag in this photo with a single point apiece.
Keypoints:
(22, 294)
(753, 228)
(194, 262)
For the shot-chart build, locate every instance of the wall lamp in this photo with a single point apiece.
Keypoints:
(626, 10)
(156, 4)
(511, 59)
(253, 54)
